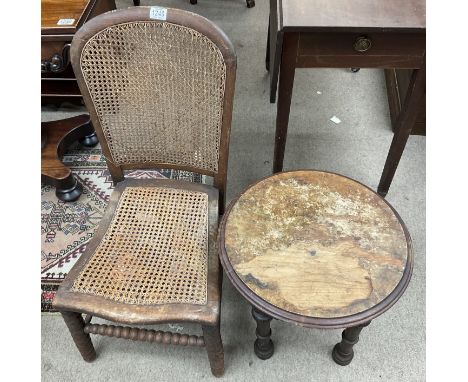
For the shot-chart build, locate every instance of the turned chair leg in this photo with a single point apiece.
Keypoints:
(263, 346)
(343, 352)
(214, 348)
(82, 340)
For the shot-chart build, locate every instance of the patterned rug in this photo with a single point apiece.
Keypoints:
(66, 228)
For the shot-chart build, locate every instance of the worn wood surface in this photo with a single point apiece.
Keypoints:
(316, 244)
(54, 10)
(354, 14)
(79, 10)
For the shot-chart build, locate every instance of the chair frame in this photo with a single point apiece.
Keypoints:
(71, 304)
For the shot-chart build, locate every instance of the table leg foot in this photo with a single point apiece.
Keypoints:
(343, 352)
(263, 349)
(70, 190)
(89, 140)
(263, 346)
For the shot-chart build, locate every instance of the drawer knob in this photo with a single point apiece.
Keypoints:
(58, 62)
(362, 44)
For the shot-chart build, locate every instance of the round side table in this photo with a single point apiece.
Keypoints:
(316, 249)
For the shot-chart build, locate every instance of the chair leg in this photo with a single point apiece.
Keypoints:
(82, 340)
(214, 348)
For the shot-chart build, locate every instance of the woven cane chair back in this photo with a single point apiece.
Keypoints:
(157, 91)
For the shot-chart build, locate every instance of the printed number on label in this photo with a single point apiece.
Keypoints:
(65, 22)
(158, 13)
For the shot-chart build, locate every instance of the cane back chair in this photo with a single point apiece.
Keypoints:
(159, 93)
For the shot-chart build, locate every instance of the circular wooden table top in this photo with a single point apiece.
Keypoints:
(316, 248)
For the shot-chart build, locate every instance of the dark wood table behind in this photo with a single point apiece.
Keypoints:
(387, 34)
(58, 81)
(60, 19)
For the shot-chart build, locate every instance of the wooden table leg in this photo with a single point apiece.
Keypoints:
(405, 122)
(286, 82)
(274, 49)
(56, 137)
(343, 352)
(263, 346)
(267, 56)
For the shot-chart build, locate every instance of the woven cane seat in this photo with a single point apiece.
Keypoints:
(152, 249)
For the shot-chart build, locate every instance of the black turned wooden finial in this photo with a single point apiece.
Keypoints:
(263, 345)
(69, 189)
(89, 140)
(343, 352)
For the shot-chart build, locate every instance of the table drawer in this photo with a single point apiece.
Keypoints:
(399, 50)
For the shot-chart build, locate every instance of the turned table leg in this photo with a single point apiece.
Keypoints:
(343, 352)
(263, 346)
(56, 137)
(68, 189)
